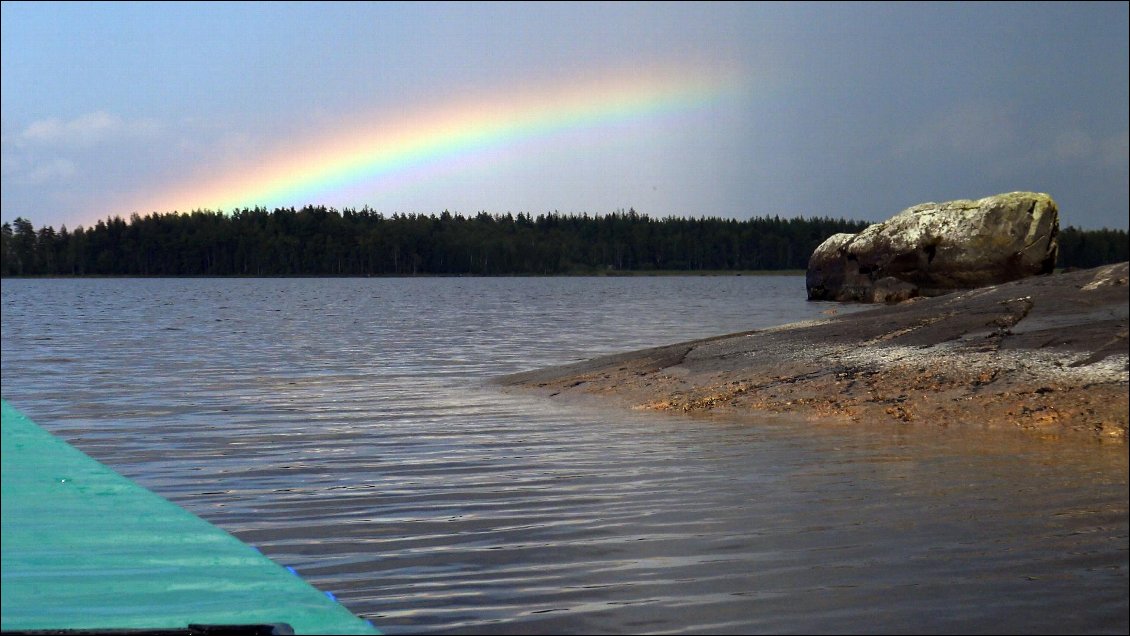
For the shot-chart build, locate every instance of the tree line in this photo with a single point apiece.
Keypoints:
(321, 241)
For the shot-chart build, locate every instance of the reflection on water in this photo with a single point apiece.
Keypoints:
(345, 427)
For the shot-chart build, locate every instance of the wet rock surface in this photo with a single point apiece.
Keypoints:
(1047, 354)
(934, 248)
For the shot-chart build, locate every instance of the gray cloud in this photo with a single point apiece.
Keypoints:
(86, 130)
(962, 128)
(33, 172)
(53, 170)
(1076, 145)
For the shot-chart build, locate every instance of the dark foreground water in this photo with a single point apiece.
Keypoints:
(346, 427)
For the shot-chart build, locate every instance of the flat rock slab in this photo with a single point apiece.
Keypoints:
(1047, 353)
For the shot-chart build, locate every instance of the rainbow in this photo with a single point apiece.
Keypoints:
(378, 151)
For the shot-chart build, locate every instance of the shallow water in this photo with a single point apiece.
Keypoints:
(346, 427)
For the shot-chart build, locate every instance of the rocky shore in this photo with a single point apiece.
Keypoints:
(1048, 354)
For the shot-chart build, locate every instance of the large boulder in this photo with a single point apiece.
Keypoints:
(935, 248)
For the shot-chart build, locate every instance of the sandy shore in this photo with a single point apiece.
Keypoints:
(1047, 354)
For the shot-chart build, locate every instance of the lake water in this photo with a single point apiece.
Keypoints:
(347, 428)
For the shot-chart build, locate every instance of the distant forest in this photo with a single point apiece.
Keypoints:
(321, 241)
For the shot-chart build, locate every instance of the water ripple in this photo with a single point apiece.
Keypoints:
(344, 427)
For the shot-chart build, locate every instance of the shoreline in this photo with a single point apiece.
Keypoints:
(618, 273)
(1046, 354)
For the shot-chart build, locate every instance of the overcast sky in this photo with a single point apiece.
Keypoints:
(731, 110)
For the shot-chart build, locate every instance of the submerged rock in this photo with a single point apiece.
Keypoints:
(935, 248)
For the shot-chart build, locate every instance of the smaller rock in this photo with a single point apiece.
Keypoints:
(892, 290)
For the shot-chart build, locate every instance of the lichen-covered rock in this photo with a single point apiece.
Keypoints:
(935, 248)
